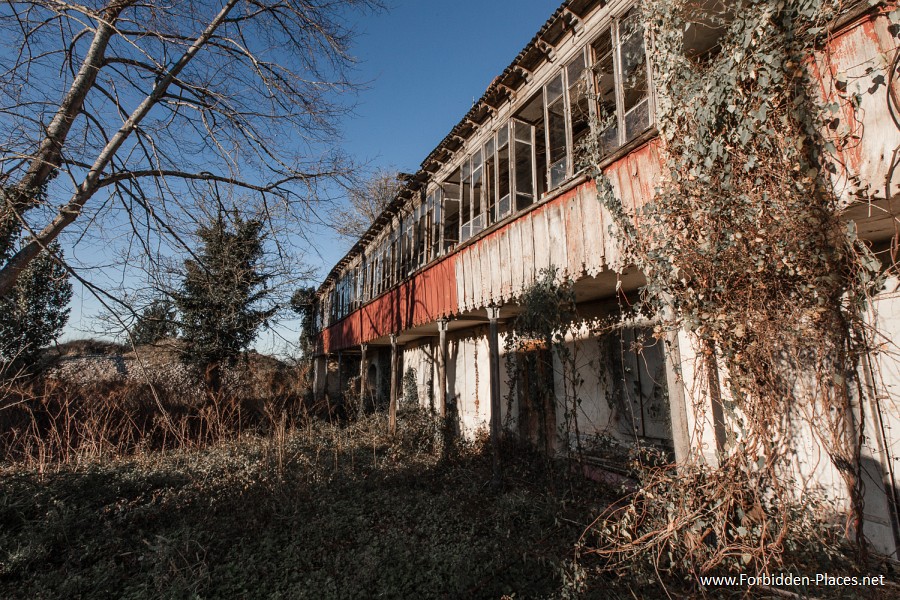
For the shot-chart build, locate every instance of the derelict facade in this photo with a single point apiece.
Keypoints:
(421, 303)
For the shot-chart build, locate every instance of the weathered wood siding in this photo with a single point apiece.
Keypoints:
(423, 298)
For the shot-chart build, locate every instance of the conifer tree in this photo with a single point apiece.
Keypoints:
(156, 322)
(303, 302)
(222, 300)
(35, 311)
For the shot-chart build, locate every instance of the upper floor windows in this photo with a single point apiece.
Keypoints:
(604, 86)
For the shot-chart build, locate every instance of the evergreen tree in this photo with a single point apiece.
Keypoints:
(35, 311)
(155, 323)
(303, 302)
(222, 296)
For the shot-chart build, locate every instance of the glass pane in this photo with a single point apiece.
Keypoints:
(489, 184)
(523, 131)
(503, 173)
(606, 92)
(466, 189)
(451, 224)
(524, 175)
(503, 136)
(477, 188)
(477, 224)
(556, 139)
(437, 224)
(634, 73)
(557, 172)
(503, 207)
(637, 119)
(554, 89)
(579, 107)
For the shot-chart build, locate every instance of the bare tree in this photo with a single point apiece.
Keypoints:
(122, 106)
(365, 201)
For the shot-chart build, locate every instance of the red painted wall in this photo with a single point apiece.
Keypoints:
(424, 298)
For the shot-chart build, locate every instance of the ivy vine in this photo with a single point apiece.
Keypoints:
(743, 246)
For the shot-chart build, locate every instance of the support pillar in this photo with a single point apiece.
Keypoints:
(494, 353)
(715, 396)
(340, 375)
(363, 379)
(317, 368)
(442, 366)
(395, 387)
(681, 434)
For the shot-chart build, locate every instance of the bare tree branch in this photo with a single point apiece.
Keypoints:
(142, 100)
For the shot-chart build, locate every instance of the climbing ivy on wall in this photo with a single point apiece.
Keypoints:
(743, 246)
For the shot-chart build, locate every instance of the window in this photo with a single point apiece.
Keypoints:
(578, 92)
(504, 204)
(473, 190)
(635, 86)
(523, 163)
(605, 80)
(557, 146)
(622, 82)
(434, 202)
(451, 211)
(490, 189)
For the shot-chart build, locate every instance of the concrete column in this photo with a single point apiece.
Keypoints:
(442, 366)
(681, 434)
(715, 396)
(395, 386)
(363, 378)
(340, 375)
(494, 352)
(320, 376)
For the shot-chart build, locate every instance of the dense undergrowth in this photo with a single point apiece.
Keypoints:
(318, 510)
(325, 511)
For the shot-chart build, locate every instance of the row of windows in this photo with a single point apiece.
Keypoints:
(534, 152)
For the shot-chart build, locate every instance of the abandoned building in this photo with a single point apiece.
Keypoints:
(421, 303)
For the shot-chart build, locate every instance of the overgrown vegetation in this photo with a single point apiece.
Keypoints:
(56, 420)
(743, 247)
(321, 511)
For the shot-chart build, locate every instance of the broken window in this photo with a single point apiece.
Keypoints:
(434, 200)
(635, 87)
(408, 246)
(557, 147)
(465, 211)
(477, 189)
(504, 204)
(579, 107)
(392, 252)
(605, 82)
(622, 82)
(419, 233)
(450, 191)
(472, 190)
(489, 194)
(523, 163)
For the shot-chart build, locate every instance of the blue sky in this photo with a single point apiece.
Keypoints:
(424, 63)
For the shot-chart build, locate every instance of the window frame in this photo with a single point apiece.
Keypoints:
(613, 26)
